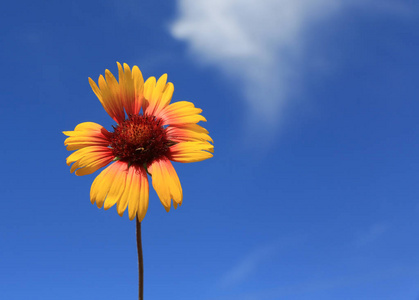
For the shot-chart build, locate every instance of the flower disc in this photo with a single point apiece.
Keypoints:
(139, 140)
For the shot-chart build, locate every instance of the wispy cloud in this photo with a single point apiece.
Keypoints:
(312, 287)
(262, 44)
(259, 257)
(258, 42)
(247, 266)
(370, 235)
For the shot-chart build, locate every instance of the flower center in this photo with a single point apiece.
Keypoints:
(139, 140)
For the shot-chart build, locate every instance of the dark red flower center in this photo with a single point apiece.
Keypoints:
(139, 140)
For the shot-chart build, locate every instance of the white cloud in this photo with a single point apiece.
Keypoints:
(258, 42)
(262, 44)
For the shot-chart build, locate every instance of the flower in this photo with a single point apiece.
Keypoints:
(150, 133)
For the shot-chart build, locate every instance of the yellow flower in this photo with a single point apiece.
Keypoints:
(149, 134)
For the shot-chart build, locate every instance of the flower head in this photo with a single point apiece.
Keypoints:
(149, 134)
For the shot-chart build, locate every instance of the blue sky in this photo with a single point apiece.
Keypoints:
(312, 192)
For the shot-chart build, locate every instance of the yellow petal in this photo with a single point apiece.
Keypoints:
(92, 151)
(154, 99)
(167, 96)
(144, 195)
(158, 90)
(93, 166)
(188, 133)
(138, 193)
(179, 113)
(162, 100)
(187, 152)
(114, 95)
(139, 88)
(85, 135)
(89, 159)
(127, 89)
(166, 182)
(98, 94)
(103, 182)
(85, 126)
(111, 99)
(104, 101)
(117, 187)
(133, 192)
(149, 86)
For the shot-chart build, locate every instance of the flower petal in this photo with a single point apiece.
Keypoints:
(142, 203)
(124, 186)
(158, 96)
(165, 182)
(166, 97)
(138, 87)
(89, 159)
(149, 86)
(186, 152)
(103, 183)
(188, 133)
(93, 166)
(137, 193)
(109, 95)
(131, 86)
(87, 134)
(117, 188)
(180, 113)
(85, 126)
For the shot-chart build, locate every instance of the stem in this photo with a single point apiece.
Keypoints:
(140, 262)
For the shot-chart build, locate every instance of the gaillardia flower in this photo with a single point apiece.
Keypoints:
(150, 133)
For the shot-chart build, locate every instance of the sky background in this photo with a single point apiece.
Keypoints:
(312, 192)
